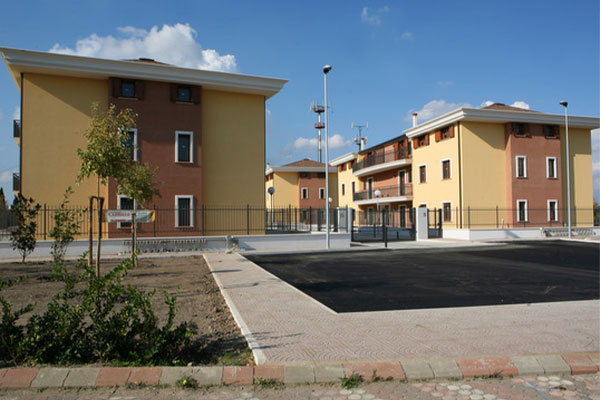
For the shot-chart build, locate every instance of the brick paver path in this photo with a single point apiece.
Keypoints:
(521, 388)
(283, 324)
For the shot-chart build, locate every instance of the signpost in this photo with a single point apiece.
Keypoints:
(134, 217)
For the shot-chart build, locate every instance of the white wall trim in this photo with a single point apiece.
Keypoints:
(449, 169)
(191, 135)
(191, 198)
(555, 210)
(555, 168)
(524, 166)
(526, 211)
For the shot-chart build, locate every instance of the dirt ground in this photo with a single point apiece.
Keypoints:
(219, 339)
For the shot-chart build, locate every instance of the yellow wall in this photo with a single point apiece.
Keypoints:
(286, 190)
(233, 149)
(56, 113)
(436, 191)
(582, 196)
(346, 177)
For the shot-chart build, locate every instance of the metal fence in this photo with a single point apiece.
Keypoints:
(201, 221)
(384, 225)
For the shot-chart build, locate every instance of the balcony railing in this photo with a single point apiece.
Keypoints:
(386, 191)
(16, 128)
(380, 158)
(16, 182)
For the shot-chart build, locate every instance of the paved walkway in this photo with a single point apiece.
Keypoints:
(522, 388)
(283, 325)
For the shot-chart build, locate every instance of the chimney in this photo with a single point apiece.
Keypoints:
(414, 119)
(362, 143)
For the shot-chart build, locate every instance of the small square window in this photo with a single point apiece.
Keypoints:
(446, 133)
(422, 174)
(519, 129)
(125, 204)
(551, 131)
(551, 171)
(552, 210)
(447, 211)
(321, 193)
(446, 169)
(184, 94)
(522, 210)
(184, 212)
(127, 88)
(304, 193)
(521, 166)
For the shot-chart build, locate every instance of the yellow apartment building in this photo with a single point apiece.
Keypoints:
(347, 182)
(501, 166)
(204, 130)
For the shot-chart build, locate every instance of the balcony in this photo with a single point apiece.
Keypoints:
(388, 194)
(16, 182)
(17, 130)
(381, 162)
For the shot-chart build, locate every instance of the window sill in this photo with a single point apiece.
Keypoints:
(184, 162)
(189, 103)
(521, 177)
(553, 178)
(127, 98)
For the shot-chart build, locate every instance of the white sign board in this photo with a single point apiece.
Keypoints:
(126, 215)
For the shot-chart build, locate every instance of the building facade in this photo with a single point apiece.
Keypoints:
(205, 157)
(347, 182)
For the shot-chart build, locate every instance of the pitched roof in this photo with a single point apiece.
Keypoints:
(500, 106)
(305, 163)
(148, 61)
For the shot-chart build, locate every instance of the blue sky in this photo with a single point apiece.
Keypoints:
(389, 58)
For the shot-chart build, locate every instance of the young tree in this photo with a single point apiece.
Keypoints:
(105, 153)
(65, 228)
(23, 238)
(3, 205)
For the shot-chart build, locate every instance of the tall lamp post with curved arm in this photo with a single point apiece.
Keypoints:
(326, 69)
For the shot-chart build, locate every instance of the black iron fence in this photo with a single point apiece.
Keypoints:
(201, 221)
(384, 225)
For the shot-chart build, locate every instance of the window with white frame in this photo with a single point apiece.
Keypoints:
(304, 193)
(522, 211)
(521, 166)
(446, 170)
(321, 193)
(552, 210)
(184, 211)
(447, 211)
(125, 203)
(131, 144)
(551, 172)
(184, 144)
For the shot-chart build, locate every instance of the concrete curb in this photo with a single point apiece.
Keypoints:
(50, 377)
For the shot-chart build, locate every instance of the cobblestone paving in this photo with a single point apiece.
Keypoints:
(522, 388)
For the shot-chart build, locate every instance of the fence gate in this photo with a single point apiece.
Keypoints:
(384, 225)
(434, 222)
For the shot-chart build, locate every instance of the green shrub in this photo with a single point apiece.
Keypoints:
(11, 335)
(101, 320)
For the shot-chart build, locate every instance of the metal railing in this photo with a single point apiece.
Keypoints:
(200, 221)
(381, 158)
(16, 128)
(386, 191)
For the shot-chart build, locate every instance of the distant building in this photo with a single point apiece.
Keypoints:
(347, 182)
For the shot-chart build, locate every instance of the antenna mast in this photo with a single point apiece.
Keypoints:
(315, 107)
(359, 140)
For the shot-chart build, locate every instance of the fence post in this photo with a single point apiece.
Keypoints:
(203, 218)
(247, 219)
(469, 216)
(91, 233)
(45, 219)
(496, 217)
(289, 218)
(295, 219)
(155, 218)
(456, 216)
(384, 232)
(310, 219)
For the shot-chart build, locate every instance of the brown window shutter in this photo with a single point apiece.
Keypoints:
(415, 144)
(426, 139)
(140, 89)
(527, 128)
(174, 92)
(196, 94)
(116, 87)
(451, 131)
(438, 136)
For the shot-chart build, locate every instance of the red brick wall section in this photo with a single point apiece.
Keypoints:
(537, 189)
(158, 119)
(313, 183)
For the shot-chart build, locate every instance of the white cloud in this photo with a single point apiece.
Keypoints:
(434, 109)
(407, 36)
(486, 103)
(336, 141)
(374, 17)
(520, 104)
(172, 44)
(17, 113)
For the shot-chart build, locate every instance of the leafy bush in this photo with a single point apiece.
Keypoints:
(98, 320)
(23, 238)
(66, 226)
(11, 335)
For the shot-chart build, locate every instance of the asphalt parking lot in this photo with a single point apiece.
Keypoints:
(510, 273)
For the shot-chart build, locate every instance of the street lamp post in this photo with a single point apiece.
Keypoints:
(326, 69)
(565, 105)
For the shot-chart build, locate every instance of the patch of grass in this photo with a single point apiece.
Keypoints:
(352, 381)
(495, 375)
(137, 385)
(269, 383)
(187, 382)
(237, 358)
